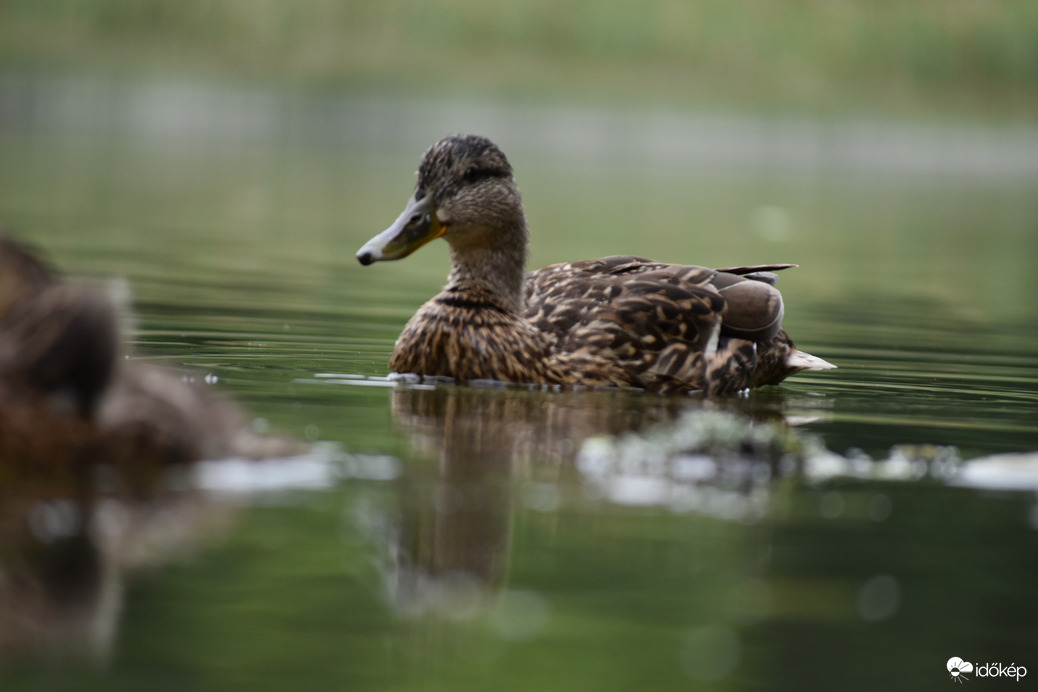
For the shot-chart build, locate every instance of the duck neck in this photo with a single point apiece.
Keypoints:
(490, 264)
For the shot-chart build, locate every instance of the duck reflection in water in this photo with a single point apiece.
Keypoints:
(452, 552)
(88, 440)
(482, 454)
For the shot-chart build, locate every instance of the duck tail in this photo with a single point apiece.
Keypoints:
(798, 361)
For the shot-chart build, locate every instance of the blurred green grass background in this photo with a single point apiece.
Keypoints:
(930, 58)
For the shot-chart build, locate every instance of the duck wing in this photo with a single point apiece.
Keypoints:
(562, 296)
(654, 322)
(649, 299)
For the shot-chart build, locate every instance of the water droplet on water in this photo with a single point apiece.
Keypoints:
(519, 614)
(710, 652)
(879, 598)
(831, 505)
(879, 507)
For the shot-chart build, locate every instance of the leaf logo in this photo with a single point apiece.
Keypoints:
(958, 668)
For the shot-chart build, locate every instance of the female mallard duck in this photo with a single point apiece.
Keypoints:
(614, 322)
(67, 396)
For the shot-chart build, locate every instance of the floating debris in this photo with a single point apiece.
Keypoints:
(713, 462)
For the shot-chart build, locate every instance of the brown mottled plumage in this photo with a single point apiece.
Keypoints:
(613, 322)
(69, 398)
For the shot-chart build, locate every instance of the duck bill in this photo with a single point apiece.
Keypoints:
(415, 227)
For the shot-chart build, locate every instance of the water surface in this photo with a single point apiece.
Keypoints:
(476, 538)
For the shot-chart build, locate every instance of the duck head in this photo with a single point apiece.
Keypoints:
(465, 193)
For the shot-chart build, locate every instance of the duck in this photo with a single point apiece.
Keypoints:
(622, 322)
(71, 397)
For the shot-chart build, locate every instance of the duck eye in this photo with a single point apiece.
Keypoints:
(471, 173)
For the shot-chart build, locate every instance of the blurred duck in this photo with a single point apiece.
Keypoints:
(68, 396)
(625, 322)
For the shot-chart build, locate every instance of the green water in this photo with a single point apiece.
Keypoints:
(465, 538)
